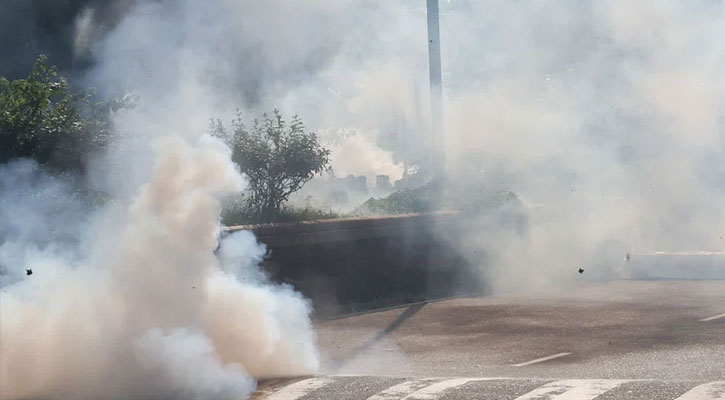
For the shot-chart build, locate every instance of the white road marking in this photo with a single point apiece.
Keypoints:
(299, 389)
(575, 389)
(712, 318)
(542, 359)
(687, 253)
(708, 391)
(434, 388)
(401, 390)
(434, 391)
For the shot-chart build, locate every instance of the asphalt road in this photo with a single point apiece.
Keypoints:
(620, 340)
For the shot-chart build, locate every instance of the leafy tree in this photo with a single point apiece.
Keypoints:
(277, 157)
(42, 118)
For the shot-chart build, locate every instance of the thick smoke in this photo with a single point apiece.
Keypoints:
(152, 313)
(605, 117)
(345, 65)
(39, 214)
(128, 298)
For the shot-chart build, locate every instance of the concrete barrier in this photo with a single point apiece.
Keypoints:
(346, 265)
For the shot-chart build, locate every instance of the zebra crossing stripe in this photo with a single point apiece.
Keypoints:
(435, 388)
(402, 390)
(299, 389)
(574, 389)
(707, 391)
(434, 391)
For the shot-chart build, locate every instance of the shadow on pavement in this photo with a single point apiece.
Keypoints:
(404, 316)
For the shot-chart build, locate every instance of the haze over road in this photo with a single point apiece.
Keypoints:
(657, 339)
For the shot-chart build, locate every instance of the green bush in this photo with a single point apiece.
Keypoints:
(42, 118)
(277, 157)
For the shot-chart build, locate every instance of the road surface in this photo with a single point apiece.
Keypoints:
(631, 339)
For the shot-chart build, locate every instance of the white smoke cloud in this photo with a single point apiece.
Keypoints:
(85, 32)
(324, 61)
(189, 367)
(40, 216)
(357, 154)
(607, 115)
(137, 304)
(152, 314)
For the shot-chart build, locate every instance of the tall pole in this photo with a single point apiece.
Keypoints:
(436, 88)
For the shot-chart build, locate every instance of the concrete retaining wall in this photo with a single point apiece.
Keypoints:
(345, 265)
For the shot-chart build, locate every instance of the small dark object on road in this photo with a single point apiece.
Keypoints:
(28, 272)
(581, 270)
(627, 257)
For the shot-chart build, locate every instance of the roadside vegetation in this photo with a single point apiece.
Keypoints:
(288, 213)
(278, 158)
(45, 118)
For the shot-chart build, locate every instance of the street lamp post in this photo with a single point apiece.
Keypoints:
(436, 88)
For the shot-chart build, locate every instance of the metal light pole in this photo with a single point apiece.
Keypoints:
(436, 89)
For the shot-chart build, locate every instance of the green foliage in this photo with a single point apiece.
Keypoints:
(42, 118)
(468, 198)
(277, 157)
(308, 212)
(415, 200)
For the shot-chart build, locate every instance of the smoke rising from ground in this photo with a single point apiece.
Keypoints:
(605, 117)
(39, 214)
(153, 313)
(133, 302)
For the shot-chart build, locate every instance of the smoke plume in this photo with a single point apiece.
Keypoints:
(152, 313)
(605, 118)
(133, 294)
